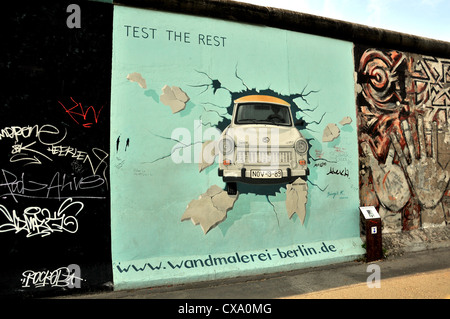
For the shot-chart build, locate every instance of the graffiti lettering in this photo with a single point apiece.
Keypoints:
(62, 277)
(78, 111)
(341, 194)
(342, 172)
(45, 133)
(50, 136)
(20, 186)
(101, 156)
(67, 151)
(19, 155)
(320, 164)
(41, 221)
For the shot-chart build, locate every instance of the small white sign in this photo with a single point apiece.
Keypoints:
(374, 229)
(369, 212)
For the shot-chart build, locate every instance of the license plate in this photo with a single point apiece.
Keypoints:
(256, 173)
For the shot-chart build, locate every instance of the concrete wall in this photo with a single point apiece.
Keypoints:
(105, 123)
(54, 140)
(403, 102)
(159, 148)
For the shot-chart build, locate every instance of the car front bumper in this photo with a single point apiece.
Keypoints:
(243, 175)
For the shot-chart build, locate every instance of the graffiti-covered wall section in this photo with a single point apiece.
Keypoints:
(403, 102)
(233, 149)
(54, 146)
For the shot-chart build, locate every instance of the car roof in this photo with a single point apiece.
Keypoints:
(261, 99)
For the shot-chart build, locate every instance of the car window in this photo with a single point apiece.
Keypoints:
(262, 113)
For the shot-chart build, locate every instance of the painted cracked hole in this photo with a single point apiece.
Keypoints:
(212, 207)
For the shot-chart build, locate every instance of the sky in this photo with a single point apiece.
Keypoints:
(426, 18)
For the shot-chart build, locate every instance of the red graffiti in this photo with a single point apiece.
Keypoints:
(78, 113)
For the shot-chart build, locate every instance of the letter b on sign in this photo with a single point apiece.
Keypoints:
(74, 20)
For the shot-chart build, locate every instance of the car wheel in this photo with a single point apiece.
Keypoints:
(231, 188)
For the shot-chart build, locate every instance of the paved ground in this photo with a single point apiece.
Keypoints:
(429, 285)
(422, 274)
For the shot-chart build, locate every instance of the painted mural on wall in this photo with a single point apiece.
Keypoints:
(403, 102)
(232, 154)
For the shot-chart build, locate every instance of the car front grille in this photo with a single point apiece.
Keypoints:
(255, 157)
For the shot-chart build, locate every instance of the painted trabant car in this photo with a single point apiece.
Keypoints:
(262, 144)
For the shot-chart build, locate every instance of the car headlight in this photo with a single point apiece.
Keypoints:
(301, 146)
(226, 146)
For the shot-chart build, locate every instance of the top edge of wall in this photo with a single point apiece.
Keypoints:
(299, 22)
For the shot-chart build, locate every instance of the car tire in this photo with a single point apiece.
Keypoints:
(231, 188)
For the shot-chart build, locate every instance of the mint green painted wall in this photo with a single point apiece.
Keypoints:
(150, 192)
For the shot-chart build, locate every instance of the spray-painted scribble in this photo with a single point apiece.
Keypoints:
(46, 134)
(57, 186)
(80, 115)
(36, 144)
(69, 277)
(37, 221)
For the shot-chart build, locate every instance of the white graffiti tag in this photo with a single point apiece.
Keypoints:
(41, 221)
(62, 277)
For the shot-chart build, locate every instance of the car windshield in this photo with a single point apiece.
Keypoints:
(262, 113)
